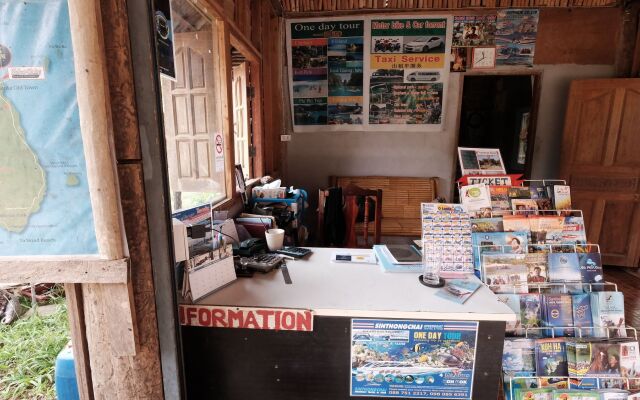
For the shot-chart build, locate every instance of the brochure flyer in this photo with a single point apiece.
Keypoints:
(413, 359)
(476, 198)
(516, 32)
(478, 161)
(459, 290)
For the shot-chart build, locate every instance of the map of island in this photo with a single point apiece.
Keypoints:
(45, 201)
(22, 178)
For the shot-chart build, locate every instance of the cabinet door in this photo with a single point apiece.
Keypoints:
(600, 160)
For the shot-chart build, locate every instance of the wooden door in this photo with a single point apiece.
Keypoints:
(189, 106)
(240, 120)
(600, 159)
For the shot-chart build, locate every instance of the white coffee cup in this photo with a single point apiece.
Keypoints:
(275, 239)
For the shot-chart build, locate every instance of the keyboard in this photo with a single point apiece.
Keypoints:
(261, 262)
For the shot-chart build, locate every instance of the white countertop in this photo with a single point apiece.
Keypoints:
(354, 290)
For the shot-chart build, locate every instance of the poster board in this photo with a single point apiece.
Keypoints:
(45, 202)
(326, 66)
(60, 202)
(368, 73)
(413, 359)
(408, 72)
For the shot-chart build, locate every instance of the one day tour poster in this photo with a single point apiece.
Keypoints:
(326, 73)
(413, 359)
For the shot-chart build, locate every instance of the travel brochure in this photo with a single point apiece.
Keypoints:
(479, 161)
(572, 366)
(459, 290)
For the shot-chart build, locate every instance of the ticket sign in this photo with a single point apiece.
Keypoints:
(492, 180)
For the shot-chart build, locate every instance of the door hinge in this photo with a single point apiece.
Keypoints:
(250, 92)
(252, 151)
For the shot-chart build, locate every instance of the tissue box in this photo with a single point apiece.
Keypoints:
(275, 193)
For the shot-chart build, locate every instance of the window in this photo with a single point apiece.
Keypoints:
(193, 113)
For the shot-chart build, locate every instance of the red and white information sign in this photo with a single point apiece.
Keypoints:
(278, 319)
(219, 153)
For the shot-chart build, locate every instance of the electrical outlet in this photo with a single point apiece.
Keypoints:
(285, 138)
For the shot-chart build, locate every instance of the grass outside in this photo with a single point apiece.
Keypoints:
(28, 350)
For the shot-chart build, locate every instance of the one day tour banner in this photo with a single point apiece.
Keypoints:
(368, 74)
(413, 359)
(326, 73)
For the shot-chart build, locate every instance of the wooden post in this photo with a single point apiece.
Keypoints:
(108, 308)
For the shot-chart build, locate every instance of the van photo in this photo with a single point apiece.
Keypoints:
(423, 76)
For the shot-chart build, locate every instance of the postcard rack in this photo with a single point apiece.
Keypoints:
(576, 247)
(523, 181)
(626, 381)
(542, 213)
(604, 286)
(544, 181)
(579, 329)
(585, 247)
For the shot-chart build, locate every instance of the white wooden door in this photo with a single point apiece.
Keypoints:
(190, 116)
(240, 118)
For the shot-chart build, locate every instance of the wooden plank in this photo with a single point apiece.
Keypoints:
(97, 135)
(589, 36)
(81, 359)
(65, 271)
(127, 143)
(95, 124)
(225, 74)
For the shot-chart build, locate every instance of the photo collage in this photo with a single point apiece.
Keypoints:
(470, 31)
(407, 60)
(486, 41)
(327, 70)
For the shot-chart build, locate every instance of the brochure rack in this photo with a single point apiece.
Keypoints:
(626, 382)
(512, 282)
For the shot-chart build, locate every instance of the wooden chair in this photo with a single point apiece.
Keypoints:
(352, 194)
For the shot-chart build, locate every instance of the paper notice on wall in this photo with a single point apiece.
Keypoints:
(219, 153)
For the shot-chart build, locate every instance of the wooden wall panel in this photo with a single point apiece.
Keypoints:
(578, 36)
(123, 108)
(113, 376)
(272, 74)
